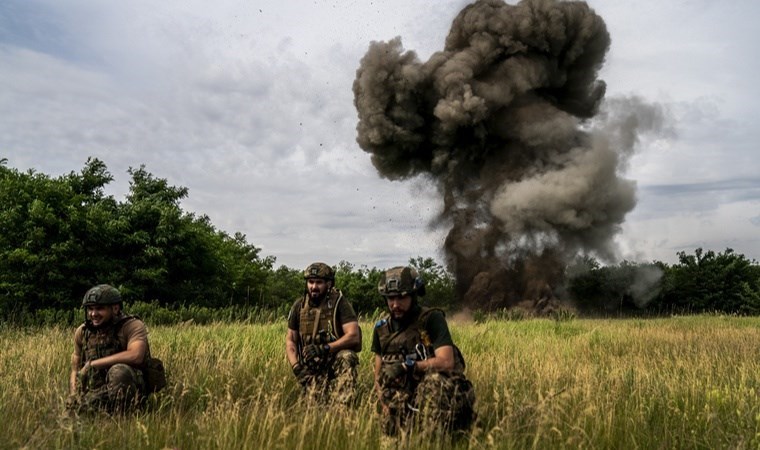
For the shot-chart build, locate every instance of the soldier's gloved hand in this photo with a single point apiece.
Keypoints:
(85, 368)
(395, 370)
(301, 373)
(72, 402)
(313, 351)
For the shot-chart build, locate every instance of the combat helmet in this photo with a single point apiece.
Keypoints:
(319, 270)
(401, 281)
(102, 294)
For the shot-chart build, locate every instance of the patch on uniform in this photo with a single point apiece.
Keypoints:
(380, 323)
(425, 338)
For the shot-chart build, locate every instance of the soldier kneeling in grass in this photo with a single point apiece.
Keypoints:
(419, 372)
(323, 339)
(111, 367)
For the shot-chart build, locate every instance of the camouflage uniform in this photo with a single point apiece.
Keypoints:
(332, 375)
(121, 385)
(335, 375)
(443, 400)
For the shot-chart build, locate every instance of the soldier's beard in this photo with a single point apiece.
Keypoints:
(407, 316)
(316, 297)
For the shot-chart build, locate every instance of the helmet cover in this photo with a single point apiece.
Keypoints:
(319, 270)
(401, 281)
(102, 294)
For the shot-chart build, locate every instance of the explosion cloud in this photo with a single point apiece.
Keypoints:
(499, 121)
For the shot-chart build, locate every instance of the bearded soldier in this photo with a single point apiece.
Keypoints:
(419, 372)
(110, 355)
(323, 338)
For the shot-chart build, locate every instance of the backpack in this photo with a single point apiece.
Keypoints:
(154, 374)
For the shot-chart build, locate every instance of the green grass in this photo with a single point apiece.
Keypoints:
(684, 382)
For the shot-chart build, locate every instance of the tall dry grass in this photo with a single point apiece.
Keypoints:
(689, 382)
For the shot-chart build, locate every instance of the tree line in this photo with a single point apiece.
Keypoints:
(62, 235)
(705, 281)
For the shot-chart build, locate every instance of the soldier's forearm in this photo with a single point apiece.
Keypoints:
(73, 382)
(291, 350)
(441, 361)
(130, 357)
(292, 355)
(344, 342)
(435, 364)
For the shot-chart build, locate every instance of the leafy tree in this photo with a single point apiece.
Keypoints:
(439, 283)
(63, 235)
(247, 273)
(709, 281)
(41, 218)
(283, 287)
(705, 281)
(359, 286)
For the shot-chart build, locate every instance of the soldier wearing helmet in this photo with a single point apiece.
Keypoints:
(323, 338)
(110, 349)
(419, 372)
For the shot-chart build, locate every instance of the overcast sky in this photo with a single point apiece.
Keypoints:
(249, 105)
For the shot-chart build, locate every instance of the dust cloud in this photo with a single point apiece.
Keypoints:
(508, 122)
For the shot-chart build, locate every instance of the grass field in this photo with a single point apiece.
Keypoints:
(683, 382)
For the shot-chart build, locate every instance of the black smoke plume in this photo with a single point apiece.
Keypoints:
(499, 121)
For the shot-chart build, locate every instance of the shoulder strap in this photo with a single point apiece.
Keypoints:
(118, 326)
(127, 318)
(302, 302)
(394, 335)
(85, 339)
(337, 325)
(316, 325)
(426, 312)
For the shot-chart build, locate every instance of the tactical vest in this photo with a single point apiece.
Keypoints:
(411, 341)
(103, 342)
(98, 343)
(319, 324)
